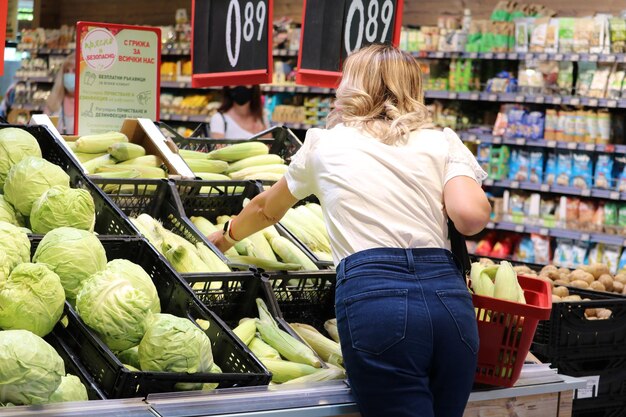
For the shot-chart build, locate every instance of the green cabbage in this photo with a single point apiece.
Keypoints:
(15, 244)
(174, 344)
(30, 369)
(73, 254)
(71, 389)
(32, 298)
(15, 145)
(8, 213)
(29, 179)
(130, 357)
(116, 302)
(63, 206)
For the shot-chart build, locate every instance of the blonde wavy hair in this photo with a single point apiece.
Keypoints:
(381, 93)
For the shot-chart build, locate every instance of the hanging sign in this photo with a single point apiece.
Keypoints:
(118, 75)
(231, 42)
(333, 29)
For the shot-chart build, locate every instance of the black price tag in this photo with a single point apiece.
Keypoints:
(332, 30)
(232, 42)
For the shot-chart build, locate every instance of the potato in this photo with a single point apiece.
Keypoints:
(564, 270)
(603, 313)
(553, 275)
(561, 282)
(595, 269)
(579, 274)
(621, 277)
(556, 298)
(618, 287)
(548, 268)
(624, 291)
(544, 278)
(560, 291)
(592, 318)
(607, 281)
(579, 284)
(572, 298)
(590, 312)
(522, 269)
(597, 286)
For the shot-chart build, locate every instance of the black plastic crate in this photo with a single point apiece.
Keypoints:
(157, 198)
(569, 334)
(75, 367)
(599, 407)
(610, 370)
(211, 199)
(239, 366)
(283, 142)
(304, 297)
(109, 219)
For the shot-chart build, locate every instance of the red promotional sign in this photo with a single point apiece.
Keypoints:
(333, 29)
(4, 9)
(231, 42)
(118, 75)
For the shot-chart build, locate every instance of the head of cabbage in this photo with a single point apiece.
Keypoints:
(73, 254)
(70, 389)
(31, 298)
(15, 244)
(174, 344)
(116, 302)
(63, 206)
(9, 214)
(30, 369)
(15, 145)
(29, 179)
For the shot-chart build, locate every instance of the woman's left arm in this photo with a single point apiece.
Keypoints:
(262, 211)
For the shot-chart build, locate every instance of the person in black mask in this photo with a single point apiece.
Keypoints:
(240, 115)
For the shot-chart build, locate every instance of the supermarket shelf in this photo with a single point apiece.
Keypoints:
(47, 79)
(516, 56)
(201, 118)
(558, 233)
(176, 51)
(29, 107)
(296, 89)
(552, 144)
(47, 51)
(296, 126)
(286, 53)
(556, 189)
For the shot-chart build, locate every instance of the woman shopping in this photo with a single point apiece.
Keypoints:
(387, 185)
(240, 115)
(61, 100)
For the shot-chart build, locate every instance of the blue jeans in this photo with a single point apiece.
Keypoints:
(408, 332)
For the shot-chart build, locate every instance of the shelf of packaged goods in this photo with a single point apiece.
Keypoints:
(541, 143)
(297, 126)
(520, 56)
(288, 53)
(194, 118)
(269, 89)
(46, 79)
(591, 237)
(556, 189)
(176, 52)
(29, 107)
(46, 51)
(525, 98)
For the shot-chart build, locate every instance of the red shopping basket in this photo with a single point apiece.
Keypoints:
(506, 331)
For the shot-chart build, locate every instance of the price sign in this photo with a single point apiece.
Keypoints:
(334, 29)
(231, 42)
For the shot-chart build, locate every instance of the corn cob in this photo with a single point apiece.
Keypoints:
(187, 154)
(246, 330)
(262, 349)
(288, 347)
(147, 227)
(260, 247)
(206, 228)
(327, 349)
(71, 145)
(323, 256)
(147, 160)
(331, 328)
(506, 285)
(93, 165)
(207, 165)
(308, 217)
(99, 143)
(214, 263)
(223, 219)
(283, 371)
(270, 232)
(125, 150)
(266, 264)
(131, 173)
(264, 176)
(241, 174)
(86, 157)
(184, 260)
(481, 283)
(319, 376)
(289, 252)
(203, 324)
(315, 209)
(212, 176)
(306, 231)
(239, 151)
(269, 159)
(264, 313)
(144, 171)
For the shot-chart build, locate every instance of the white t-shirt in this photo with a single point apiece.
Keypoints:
(375, 195)
(233, 130)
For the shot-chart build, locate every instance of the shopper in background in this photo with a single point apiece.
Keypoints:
(387, 185)
(60, 103)
(241, 114)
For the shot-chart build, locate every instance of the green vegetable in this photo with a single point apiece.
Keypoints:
(15, 145)
(29, 179)
(63, 206)
(71, 389)
(15, 244)
(8, 213)
(139, 278)
(30, 369)
(115, 303)
(130, 357)
(173, 344)
(32, 298)
(73, 254)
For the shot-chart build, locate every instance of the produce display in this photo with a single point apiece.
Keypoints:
(266, 249)
(241, 161)
(306, 223)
